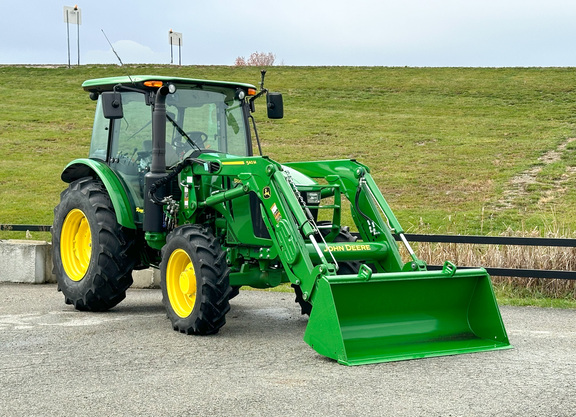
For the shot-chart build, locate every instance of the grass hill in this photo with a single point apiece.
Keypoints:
(460, 150)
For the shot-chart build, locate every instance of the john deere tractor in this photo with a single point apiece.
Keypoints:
(171, 182)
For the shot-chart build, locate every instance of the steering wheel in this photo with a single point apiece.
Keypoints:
(199, 138)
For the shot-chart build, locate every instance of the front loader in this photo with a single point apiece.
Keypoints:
(171, 182)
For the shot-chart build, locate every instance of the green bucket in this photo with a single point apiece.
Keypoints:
(405, 315)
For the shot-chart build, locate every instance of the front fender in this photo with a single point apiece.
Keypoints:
(80, 168)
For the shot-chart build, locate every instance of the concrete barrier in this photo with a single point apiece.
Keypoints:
(26, 261)
(146, 278)
(30, 262)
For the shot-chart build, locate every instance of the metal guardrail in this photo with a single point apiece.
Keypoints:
(24, 228)
(494, 240)
(506, 241)
(476, 240)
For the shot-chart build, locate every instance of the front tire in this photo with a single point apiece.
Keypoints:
(90, 250)
(195, 281)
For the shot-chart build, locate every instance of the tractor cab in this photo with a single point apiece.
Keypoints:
(200, 117)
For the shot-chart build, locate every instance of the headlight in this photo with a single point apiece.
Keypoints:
(313, 197)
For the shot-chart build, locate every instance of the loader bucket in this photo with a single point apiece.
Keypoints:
(405, 315)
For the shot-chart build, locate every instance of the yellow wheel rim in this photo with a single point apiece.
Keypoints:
(76, 245)
(181, 283)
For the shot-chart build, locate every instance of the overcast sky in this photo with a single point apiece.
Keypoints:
(475, 33)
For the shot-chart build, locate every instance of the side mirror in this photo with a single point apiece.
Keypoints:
(112, 105)
(275, 105)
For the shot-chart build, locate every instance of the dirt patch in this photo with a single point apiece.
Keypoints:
(518, 185)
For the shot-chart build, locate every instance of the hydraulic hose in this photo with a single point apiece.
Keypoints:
(165, 180)
(175, 171)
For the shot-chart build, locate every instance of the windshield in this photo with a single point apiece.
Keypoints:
(206, 119)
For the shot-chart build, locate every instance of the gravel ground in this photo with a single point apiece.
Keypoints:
(56, 361)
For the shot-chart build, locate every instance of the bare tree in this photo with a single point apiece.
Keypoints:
(256, 59)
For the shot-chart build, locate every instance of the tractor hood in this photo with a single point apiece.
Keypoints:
(226, 159)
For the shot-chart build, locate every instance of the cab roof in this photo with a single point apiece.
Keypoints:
(107, 84)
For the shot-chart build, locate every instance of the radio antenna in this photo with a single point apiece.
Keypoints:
(113, 50)
(115, 53)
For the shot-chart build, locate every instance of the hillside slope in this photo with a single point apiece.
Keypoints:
(460, 150)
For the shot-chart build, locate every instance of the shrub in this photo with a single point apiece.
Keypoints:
(256, 59)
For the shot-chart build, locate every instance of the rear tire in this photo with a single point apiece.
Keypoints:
(91, 251)
(195, 281)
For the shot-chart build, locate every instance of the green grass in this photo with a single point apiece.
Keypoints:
(442, 143)
(445, 145)
(514, 295)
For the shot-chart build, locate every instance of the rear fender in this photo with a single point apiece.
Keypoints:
(80, 168)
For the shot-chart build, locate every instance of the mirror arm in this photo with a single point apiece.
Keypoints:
(260, 93)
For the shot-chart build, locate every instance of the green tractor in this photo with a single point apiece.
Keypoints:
(171, 182)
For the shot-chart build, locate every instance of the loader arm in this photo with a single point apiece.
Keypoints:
(289, 227)
(370, 211)
(294, 236)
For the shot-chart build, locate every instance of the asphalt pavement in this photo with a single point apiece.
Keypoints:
(56, 361)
